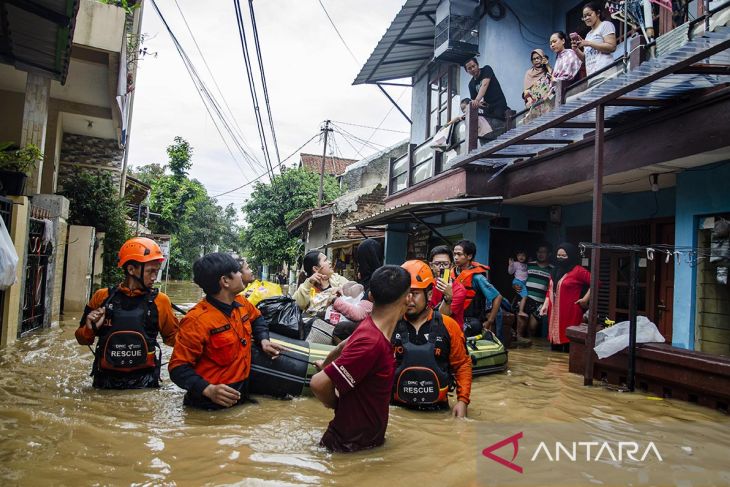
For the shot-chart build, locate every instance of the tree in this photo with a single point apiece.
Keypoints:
(272, 206)
(194, 220)
(180, 154)
(94, 201)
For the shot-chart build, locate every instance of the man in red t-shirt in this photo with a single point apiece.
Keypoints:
(357, 377)
(448, 296)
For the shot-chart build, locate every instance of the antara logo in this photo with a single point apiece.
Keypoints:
(591, 451)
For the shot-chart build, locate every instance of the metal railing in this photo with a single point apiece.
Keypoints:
(36, 273)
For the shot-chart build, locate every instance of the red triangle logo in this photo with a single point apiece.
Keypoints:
(514, 440)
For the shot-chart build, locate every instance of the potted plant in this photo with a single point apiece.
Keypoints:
(15, 164)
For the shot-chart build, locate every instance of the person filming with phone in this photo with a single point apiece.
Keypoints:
(447, 296)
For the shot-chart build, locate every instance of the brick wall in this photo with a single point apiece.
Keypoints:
(367, 205)
(89, 153)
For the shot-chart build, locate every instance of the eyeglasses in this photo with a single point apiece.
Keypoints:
(441, 265)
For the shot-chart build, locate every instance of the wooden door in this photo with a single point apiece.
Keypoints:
(665, 284)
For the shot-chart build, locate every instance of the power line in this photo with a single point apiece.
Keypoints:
(215, 83)
(278, 165)
(374, 128)
(263, 78)
(252, 85)
(209, 101)
(338, 32)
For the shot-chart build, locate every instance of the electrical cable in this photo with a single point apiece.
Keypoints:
(338, 33)
(348, 142)
(252, 85)
(215, 83)
(209, 101)
(263, 78)
(374, 128)
(262, 175)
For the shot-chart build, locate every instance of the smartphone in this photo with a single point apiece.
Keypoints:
(445, 276)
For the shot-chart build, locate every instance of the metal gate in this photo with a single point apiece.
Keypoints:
(34, 301)
(6, 211)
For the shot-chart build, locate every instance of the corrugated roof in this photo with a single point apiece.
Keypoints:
(38, 35)
(334, 166)
(406, 46)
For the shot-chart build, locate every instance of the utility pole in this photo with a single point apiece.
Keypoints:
(326, 131)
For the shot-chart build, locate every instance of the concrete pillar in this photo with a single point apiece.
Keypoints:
(52, 152)
(98, 261)
(35, 121)
(13, 306)
(57, 206)
(78, 267)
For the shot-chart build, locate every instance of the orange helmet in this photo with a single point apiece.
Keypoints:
(421, 274)
(139, 249)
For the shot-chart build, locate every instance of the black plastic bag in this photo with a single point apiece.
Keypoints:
(283, 316)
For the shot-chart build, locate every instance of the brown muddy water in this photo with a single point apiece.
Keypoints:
(55, 429)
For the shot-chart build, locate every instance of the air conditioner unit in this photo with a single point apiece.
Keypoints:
(457, 30)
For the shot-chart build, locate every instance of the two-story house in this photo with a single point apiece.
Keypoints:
(652, 126)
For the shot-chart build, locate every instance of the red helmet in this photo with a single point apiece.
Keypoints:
(421, 274)
(140, 249)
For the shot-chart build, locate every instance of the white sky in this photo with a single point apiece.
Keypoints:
(309, 75)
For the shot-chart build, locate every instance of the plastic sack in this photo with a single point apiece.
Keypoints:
(319, 302)
(258, 290)
(8, 258)
(282, 315)
(615, 338)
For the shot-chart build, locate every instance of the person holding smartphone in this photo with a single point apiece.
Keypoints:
(448, 296)
(600, 43)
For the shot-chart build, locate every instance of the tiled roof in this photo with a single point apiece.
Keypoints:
(334, 166)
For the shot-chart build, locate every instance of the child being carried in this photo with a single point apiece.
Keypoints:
(518, 268)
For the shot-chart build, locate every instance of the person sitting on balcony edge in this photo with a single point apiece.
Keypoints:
(127, 318)
(486, 92)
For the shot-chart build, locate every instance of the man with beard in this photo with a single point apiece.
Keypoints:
(430, 351)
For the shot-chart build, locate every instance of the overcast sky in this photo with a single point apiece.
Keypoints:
(309, 74)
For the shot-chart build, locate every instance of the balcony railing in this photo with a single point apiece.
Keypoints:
(423, 162)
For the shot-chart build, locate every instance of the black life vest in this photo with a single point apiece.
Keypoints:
(474, 304)
(129, 342)
(422, 376)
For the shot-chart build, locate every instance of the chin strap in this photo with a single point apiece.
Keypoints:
(140, 281)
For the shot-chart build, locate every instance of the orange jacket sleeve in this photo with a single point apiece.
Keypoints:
(84, 335)
(167, 321)
(459, 360)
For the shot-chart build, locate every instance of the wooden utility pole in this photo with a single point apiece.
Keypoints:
(326, 131)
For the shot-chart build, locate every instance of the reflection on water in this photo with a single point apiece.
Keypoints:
(56, 429)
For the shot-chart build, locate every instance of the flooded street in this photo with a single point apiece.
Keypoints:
(56, 429)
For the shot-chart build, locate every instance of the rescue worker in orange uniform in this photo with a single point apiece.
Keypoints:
(212, 355)
(430, 351)
(126, 319)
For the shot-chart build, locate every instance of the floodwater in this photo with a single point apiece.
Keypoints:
(55, 429)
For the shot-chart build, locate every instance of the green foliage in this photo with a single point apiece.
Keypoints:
(197, 225)
(128, 6)
(94, 202)
(180, 154)
(272, 206)
(13, 158)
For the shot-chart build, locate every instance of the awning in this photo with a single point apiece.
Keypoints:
(307, 215)
(418, 211)
(37, 35)
(406, 46)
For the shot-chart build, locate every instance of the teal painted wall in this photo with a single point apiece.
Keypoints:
(700, 192)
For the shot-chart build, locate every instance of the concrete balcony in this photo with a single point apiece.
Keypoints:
(99, 26)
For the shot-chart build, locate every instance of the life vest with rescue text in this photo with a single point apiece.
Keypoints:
(128, 342)
(422, 376)
(475, 303)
